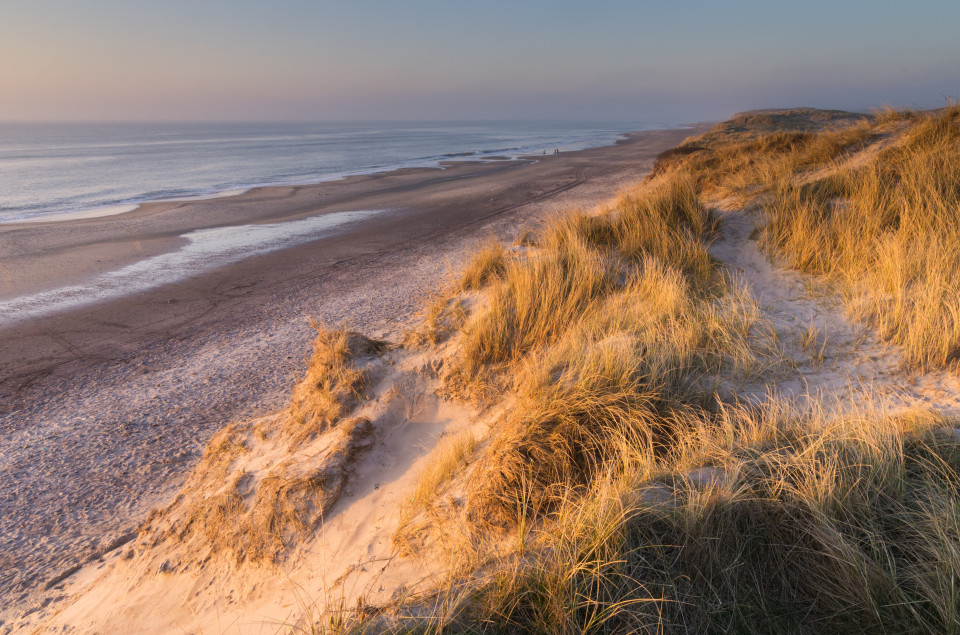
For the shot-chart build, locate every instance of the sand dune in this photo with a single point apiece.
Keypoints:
(637, 415)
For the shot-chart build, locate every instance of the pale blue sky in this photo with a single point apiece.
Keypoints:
(424, 59)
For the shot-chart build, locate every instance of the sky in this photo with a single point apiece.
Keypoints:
(666, 61)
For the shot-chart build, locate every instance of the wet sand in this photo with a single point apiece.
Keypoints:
(104, 408)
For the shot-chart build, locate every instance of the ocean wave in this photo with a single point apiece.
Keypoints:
(197, 163)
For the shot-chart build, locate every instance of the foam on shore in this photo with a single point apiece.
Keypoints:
(205, 249)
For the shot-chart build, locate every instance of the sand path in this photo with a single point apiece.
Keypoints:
(830, 359)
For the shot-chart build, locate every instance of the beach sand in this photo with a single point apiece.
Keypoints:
(105, 408)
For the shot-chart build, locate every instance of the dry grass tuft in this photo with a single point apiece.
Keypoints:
(892, 114)
(444, 315)
(447, 458)
(259, 515)
(430, 505)
(583, 260)
(332, 385)
(258, 518)
(537, 299)
(223, 449)
(487, 265)
(629, 371)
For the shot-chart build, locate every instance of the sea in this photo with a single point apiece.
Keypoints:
(51, 169)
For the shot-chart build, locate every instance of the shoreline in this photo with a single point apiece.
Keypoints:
(439, 162)
(40, 257)
(203, 250)
(43, 256)
(105, 408)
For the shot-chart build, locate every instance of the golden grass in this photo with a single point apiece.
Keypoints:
(426, 506)
(332, 384)
(617, 325)
(258, 516)
(443, 316)
(892, 114)
(636, 501)
(582, 260)
(446, 459)
(488, 264)
(258, 520)
(628, 370)
(754, 521)
(222, 450)
(537, 299)
(733, 158)
(886, 229)
(888, 232)
(810, 525)
(813, 343)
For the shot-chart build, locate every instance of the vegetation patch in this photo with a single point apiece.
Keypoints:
(622, 491)
(256, 512)
(333, 383)
(887, 233)
(843, 526)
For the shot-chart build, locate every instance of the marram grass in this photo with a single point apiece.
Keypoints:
(618, 492)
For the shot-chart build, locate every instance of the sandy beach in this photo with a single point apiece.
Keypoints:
(105, 407)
